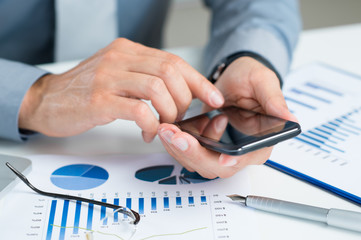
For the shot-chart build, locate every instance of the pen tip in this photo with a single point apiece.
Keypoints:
(237, 198)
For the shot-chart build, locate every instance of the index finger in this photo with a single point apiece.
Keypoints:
(200, 87)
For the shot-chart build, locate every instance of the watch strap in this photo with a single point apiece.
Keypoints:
(224, 63)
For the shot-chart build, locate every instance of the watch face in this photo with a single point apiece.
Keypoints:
(217, 72)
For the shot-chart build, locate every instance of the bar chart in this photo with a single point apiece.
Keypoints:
(329, 115)
(331, 139)
(311, 96)
(327, 103)
(73, 220)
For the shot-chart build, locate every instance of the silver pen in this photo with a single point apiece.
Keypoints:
(334, 217)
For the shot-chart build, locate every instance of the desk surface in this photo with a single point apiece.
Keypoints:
(337, 46)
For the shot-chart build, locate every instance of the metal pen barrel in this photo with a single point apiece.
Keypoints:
(288, 208)
(334, 217)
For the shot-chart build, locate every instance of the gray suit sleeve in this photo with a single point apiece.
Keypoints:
(269, 28)
(15, 80)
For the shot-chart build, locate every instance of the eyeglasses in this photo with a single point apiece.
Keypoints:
(115, 209)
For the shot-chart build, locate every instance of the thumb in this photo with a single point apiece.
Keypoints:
(269, 95)
(277, 106)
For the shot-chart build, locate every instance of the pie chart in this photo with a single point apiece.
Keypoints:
(165, 174)
(79, 177)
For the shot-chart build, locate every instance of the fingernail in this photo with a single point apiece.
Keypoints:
(148, 137)
(167, 135)
(227, 162)
(180, 143)
(230, 163)
(221, 124)
(216, 99)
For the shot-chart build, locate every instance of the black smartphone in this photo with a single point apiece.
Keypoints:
(236, 131)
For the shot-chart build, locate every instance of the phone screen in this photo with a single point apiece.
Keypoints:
(233, 127)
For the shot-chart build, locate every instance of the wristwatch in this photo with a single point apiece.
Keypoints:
(224, 63)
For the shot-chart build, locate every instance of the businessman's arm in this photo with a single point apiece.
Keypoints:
(267, 28)
(15, 80)
(112, 84)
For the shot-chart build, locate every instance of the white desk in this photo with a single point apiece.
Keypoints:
(336, 46)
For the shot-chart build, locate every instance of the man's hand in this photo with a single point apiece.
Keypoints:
(111, 85)
(245, 83)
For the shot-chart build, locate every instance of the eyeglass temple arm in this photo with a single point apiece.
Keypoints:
(64, 196)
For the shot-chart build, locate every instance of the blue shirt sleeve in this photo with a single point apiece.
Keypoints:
(15, 80)
(268, 28)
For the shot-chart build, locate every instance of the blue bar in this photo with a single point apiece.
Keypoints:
(154, 203)
(166, 202)
(77, 217)
(345, 117)
(178, 201)
(312, 85)
(351, 126)
(349, 131)
(335, 148)
(141, 205)
(328, 133)
(312, 144)
(314, 139)
(300, 103)
(63, 220)
(116, 202)
(339, 120)
(334, 124)
(128, 205)
(349, 114)
(310, 95)
(335, 130)
(342, 128)
(51, 220)
(191, 200)
(89, 224)
(103, 213)
(348, 125)
(321, 136)
(203, 199)
(322, 142)
(321, 130)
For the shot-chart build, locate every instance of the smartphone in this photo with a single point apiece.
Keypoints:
(236, 131)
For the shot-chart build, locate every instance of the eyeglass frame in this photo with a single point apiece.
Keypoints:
(133, 214)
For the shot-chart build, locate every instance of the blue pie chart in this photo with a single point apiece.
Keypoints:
(79, 177)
